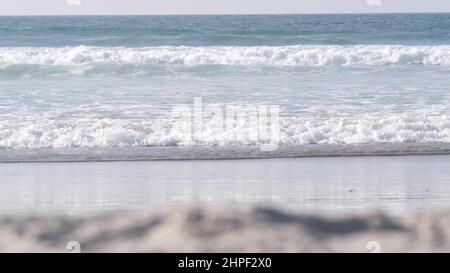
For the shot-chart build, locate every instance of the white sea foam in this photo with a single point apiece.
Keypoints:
(299, 55)
(295, 131)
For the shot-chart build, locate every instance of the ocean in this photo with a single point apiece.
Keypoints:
(104, 87)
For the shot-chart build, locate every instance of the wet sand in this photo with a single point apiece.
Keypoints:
(357, 204)
(395, 185)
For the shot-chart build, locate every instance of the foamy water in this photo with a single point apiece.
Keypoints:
(113, 82)
(161, 132)
(300, 55)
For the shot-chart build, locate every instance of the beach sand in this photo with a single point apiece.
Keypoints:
(226, 230)
(328, 204)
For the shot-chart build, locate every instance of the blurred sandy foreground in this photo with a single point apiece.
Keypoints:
(226, 230)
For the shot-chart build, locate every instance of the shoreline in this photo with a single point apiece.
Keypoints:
(232, 152)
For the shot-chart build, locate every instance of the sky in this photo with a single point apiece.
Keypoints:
(150, 7)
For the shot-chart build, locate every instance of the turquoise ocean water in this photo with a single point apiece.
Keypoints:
(102, 83)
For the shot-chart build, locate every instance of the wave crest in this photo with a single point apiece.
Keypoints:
(293, 131)
(300, 55)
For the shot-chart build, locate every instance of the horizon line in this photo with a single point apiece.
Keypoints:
(234, 14)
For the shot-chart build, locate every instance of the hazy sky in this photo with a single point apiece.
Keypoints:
(74, 7)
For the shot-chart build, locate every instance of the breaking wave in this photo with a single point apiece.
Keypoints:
(293, 131)
(300, 55)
